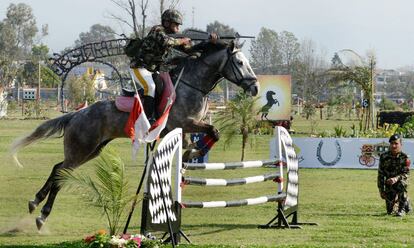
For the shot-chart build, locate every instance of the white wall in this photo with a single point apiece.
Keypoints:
(341, 152)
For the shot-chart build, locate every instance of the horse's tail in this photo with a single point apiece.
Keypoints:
(44, 131)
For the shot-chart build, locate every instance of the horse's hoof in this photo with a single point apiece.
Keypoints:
(40, 221)
(186, 156)
(32, 206)
(190, 154)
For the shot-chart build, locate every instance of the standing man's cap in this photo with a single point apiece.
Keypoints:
(394, 137)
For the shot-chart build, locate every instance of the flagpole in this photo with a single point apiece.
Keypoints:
(148, 160)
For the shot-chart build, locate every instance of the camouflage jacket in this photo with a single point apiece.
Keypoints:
(391, 166)
(154, 48)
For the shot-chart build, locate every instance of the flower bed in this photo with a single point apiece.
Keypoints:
(102, 240)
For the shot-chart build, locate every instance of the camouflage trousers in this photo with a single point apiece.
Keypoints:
(396, 198)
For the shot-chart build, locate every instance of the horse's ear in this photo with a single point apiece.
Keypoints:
(235, 45)
(232, 45)
(240, 45)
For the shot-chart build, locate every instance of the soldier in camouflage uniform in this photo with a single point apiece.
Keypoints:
(151, 55)
(393, 174)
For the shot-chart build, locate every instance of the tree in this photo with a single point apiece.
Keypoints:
(30, 71)
(262, 50)
(168, 4)
(49, 78)
(289, 49)
(239, 117)
(220, 28)
(129, 7)
(40, 52)
(363, 76)
(96, 33)
(80, 90)
(139, 26)
(17, 33)
(336, 61)
(309, 79)
(387, 104)
(23, 25)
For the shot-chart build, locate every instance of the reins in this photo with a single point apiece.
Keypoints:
(223, 64)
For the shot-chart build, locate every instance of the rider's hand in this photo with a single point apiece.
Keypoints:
(185, 41)
(391, 181)
(382, 194)
(213, 38)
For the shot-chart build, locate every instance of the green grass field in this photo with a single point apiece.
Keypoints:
(345, 203)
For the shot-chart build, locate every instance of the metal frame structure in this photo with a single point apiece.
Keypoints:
(91, 52)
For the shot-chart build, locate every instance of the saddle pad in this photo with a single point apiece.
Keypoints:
(124, 103)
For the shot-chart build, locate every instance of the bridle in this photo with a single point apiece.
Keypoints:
(238, 75)
(236, 70)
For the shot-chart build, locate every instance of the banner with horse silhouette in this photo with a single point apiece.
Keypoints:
(341, 153)
(274, 100)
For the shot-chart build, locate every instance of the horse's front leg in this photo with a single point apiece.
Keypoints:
(204, 145)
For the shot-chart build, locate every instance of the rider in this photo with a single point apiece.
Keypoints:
(152, 53)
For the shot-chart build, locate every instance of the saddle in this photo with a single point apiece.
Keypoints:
(164, 91)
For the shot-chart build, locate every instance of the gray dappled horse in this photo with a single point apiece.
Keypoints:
(87, 131)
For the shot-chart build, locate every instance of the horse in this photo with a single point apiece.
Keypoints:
(269, 104)
(87, 131)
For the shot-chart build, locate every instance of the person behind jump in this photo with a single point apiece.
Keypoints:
(393, 175)
(152, 53)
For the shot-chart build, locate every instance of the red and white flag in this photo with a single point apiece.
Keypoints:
(138, 127)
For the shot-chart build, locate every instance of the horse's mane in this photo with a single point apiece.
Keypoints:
(199, 52)
(206, 48)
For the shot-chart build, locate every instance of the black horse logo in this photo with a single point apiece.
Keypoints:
(270, 102)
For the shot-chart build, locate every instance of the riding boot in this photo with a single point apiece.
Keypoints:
(408, 208)
(149, 108)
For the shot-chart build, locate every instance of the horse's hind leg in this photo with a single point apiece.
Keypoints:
(55, 187)
(41, 195)
(52, 188)
(47, 208)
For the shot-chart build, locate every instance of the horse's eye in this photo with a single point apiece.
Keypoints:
(240, 62)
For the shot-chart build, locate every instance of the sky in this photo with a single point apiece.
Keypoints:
(382, 26)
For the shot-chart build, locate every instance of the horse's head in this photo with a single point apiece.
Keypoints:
(270, 94)
(236, 68)
(226, 60)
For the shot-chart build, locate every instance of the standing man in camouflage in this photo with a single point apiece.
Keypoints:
(151, 55)
(393, 175)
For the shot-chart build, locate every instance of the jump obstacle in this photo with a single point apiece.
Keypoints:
(162, 212)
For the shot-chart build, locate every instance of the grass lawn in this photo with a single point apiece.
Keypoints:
(303, 127)
(345, 203)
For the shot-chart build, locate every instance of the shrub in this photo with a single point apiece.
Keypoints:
(407, 130)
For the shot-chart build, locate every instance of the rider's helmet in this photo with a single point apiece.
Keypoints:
(172, 15)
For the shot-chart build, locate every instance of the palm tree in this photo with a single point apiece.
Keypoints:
(108, 191)
(239, 117)
(361, 73)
